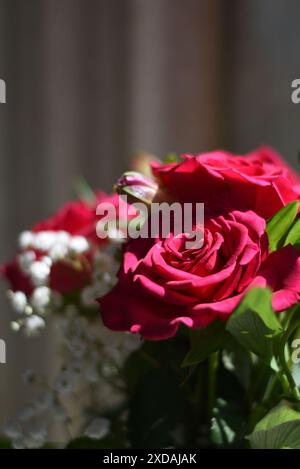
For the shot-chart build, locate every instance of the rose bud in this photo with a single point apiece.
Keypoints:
(137, 187)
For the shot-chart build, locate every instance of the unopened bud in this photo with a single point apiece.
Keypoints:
(137, 187)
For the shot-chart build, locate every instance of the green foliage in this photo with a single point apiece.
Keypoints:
(227, 424)
(254, 324)
(171, 158)
(279, 225)
(83, 191)
(206, 341)
(279, 429)
(293, 236)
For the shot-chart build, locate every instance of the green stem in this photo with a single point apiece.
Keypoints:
(284, 365)
(213, 363)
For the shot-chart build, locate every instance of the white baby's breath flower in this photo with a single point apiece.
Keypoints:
(77, 346)
(39, 272)
(47, 260)
(43, 402)
(78, 244)
(116, 236)
(58, 251)
(19, 442)
(59, 412)
(62, 237)
(102, 261)
(13, 430)
(27, 413)
(37, 429)
(40, 298)
(34, 443)
(34, 324)
(25, 259)
(18, 301)
(88, 296)
(44, 240)
(65, 382)
(25, 239)
(15, 326)
(91, 374)
(98, 428)
(28, 310)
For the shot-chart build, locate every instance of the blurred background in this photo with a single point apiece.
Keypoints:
(91, 82)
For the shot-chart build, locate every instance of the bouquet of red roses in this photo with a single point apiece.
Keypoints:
(220, 320)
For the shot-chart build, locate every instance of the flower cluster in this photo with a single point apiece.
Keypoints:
(60, 269)
(59, 261)
(170, 284)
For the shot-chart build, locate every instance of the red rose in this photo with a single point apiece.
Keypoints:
(76, 220)
(165, 284)
(260, 181)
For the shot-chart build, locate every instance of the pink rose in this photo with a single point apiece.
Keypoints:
(162, 284)
(260, 181)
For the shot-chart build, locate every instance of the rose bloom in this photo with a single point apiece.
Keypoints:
(77, 219)
(166, 284)
(260, 181)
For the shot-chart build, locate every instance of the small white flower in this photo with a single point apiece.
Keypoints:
(78, 244)
(19, 442)
(13, 430)
(28, 310)
(91, 374)
(34, 324)
(102, 260)
(58, 251)
(39, 272)
(27, 413)
(47, 260)
(116, 236)
(44, 401)
(34, 443)
(62, 237)
(59, 412)
(15, 326)
(18, 301)
(25, 259)
(98, 428)
(44, 240)
(40, 298)
(88, 296)
(77, 347)
(25, 239)
(37, 430)
(64, 383)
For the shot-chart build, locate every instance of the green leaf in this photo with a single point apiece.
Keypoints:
(5, 443)
(171, 157)
(279, 225)
(227, 422)
(254, 324)
(279, 429)
(83, 191)
(206, 341)
(293, 236)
